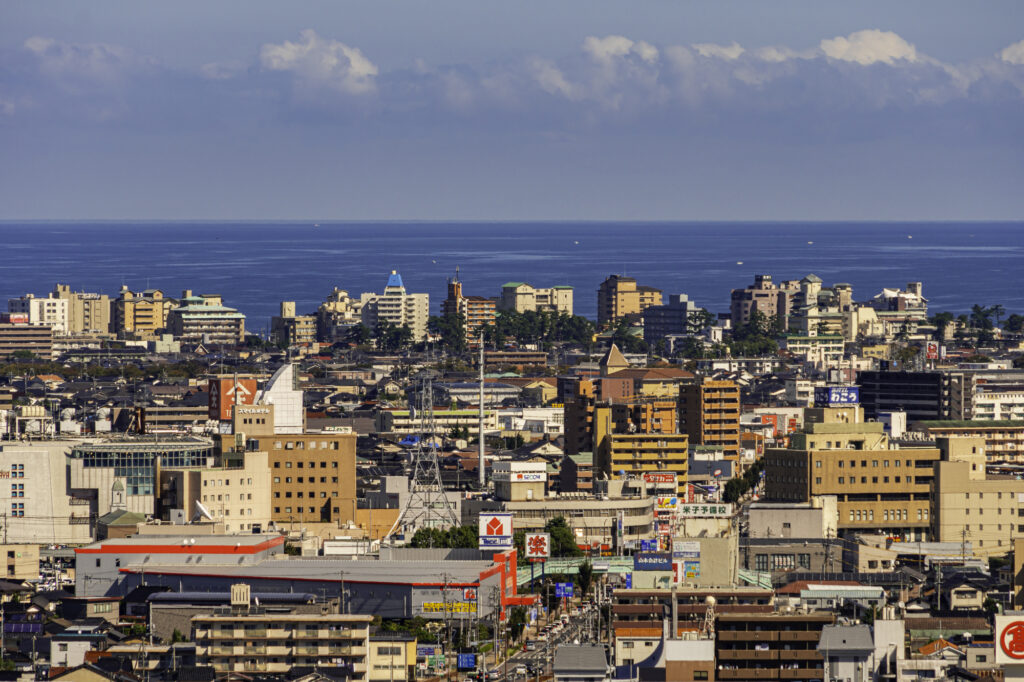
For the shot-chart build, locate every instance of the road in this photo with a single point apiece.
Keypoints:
(540, 660)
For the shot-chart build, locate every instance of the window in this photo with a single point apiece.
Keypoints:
(817, 479)
(817, 464)
(697, 674)
(874, 462)
(803, 560)
(841, 479)
(761, 560)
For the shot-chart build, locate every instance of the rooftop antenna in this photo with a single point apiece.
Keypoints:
(427, 505)
(482, 463)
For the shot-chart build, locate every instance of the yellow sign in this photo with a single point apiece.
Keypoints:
(452, 607)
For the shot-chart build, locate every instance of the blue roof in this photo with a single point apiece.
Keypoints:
(395, 280)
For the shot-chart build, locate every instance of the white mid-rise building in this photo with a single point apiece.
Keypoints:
(52, 312)
(396, 307)
(34, 503)
(1002, 406)
(280, 391)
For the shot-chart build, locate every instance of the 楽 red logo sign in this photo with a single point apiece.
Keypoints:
(1011, 639)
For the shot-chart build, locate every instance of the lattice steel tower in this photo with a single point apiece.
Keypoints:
(427, 505)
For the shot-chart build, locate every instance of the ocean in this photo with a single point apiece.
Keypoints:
(255, 265)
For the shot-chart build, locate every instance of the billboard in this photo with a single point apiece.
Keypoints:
(537, 545)
(653, 561)
(466, 661)
(666, 503)
(226, 392)
(686, 549)
(659, 478)
(718, 510)
(825, 396)
(563, 590)
(495, 531)
(932, 350)
(648, 545)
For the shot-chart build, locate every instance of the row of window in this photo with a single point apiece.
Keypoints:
(312, 479)
(226, 481)
(781, 562)
(18, 509)
(302, 445)
(17, 490)
(312, 494)
(299, 465)
(17, 471)
(227, 498)
(298, 510)
(864, 463)
(861, 515)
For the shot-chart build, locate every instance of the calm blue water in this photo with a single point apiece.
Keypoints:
(257, 265)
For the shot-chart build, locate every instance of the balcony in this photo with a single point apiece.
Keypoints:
(799, 655)
(747, 655)
(748, 636)
(802, 674)
(749, 674)
(799, 636)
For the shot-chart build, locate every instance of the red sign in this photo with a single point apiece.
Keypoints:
(653, 477)
(225, 393)
(933, 350)
(469, 594)
(537, 545)
(1011, 640)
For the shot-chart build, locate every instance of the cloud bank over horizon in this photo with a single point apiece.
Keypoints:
(864, 94)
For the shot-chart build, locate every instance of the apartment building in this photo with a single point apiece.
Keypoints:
(52, 312)
(1004, 440)
(88, 313)
(205, 319)
(336, 315)
(476, 312)
(291, 329)
(878, 488)
(140, 313)
(20, 336)
(238, 497)
(521, 297)
(396, 307)
(770, 646)
(619, 296)
(922, 395)
(672, 317)
(631, 455)
(970, 505)
(709, 413)
(253, 639)
(768, 298)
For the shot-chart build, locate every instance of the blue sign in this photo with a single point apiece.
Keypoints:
(654, 561)
(825, 396)
(467, 661)
(563, 590)
(648, 545)
(425, 650)
(629, 581)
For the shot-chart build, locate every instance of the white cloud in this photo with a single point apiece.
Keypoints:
(733, 51)
(221, 71)
(869, 47)
(551, 79)
(1014, 54)
(606, 49)
(318, 61)
(78, 62)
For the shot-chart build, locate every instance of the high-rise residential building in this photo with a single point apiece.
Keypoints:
(771, 300)
(924, 396)
(709, 413)
(337, 315)
(970, 506)
(291, 329)
(88, 313)
(205, 319)
(140, 314)
(476, 312)
(52, 312)
(620, 296)
(396, 307)
(879, 488)
(522, 297)
(672, 317)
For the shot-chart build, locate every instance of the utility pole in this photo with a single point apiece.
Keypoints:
(481, 468)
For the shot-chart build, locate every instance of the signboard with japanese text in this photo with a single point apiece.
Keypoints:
(825, 396)
(720, 509)
(932, 352)
(686, 549)
(537, 545)
(466, 661)
(1009, 635)
(495, 531)
(660, 478)
(648, 545)
(563, 590)
(654, 561)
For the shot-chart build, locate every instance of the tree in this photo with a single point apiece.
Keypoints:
(563, 540)
(23, 355)
(516, 622)
(456, 536)
(699, 320)
(941, 322)
(905, 355)
(359, 334)
(1015, 323)
(585, 577)
(981, 317)
(452, 330)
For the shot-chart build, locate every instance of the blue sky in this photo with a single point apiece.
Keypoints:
(579, 109)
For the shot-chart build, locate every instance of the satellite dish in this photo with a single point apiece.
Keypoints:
(201, 511)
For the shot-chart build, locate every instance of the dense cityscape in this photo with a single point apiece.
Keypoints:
(811, 483)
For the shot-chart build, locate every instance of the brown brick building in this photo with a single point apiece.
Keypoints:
(709, 413)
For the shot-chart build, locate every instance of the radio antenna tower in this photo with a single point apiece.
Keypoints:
(428, 505)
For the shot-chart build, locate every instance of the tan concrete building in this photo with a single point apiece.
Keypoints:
(35, 339)
(878, 488)
(22, 562)
(140, 314)
(477, 312)
(768, 298)
(619, 296)
(87, 313)
(521, 297)
(251, 640)
(396, 307)
(709, 413)
(970, 506)
(237, 497)
(52, 312)
(313, 476)
(337, 315)
(291, 329)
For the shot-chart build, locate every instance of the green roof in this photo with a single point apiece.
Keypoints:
(512, 284)
(562, 286)
(582, 458)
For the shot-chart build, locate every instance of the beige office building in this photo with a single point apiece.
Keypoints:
(140, 314)
(878, 488)
(619, 296)
(87, 313)
(521, 297)
(52, 312)
(237, 497)
(985, 513)
(291, 329)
